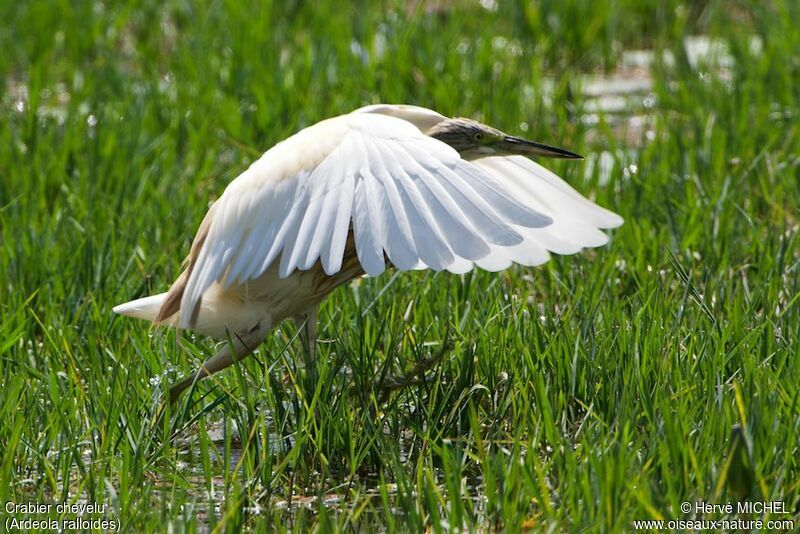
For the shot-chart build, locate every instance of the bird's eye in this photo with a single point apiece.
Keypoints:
(478, 136)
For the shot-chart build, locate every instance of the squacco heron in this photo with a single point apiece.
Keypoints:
(384, 186)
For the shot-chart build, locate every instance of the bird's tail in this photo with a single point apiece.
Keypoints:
(144, 308)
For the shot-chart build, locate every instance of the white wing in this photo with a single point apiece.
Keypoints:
(407, 195)
(576, 220)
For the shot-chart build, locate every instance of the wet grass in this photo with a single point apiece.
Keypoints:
(596, 390)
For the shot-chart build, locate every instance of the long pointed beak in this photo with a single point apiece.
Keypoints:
(518, 145)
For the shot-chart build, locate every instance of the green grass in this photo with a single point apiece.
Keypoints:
(583, 395)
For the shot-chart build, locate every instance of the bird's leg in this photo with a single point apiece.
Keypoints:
(307, 325)
(237, 348)
(416, 376)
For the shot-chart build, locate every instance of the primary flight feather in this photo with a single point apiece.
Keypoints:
(385, 185)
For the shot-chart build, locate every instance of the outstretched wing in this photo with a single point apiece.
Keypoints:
(407, 197)
(576, 220)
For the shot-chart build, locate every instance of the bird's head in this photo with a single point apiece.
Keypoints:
(474, 140)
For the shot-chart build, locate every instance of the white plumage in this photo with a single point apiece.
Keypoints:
(369, 185)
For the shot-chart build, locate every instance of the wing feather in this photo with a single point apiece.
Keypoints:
(279, 215)
(431, 246)
(591, 212)
(398, 242)
(368, 227)
(454, 225)
(488, 188)
(309, 234)
(333, 253)
(576, 220)
(288, 240)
